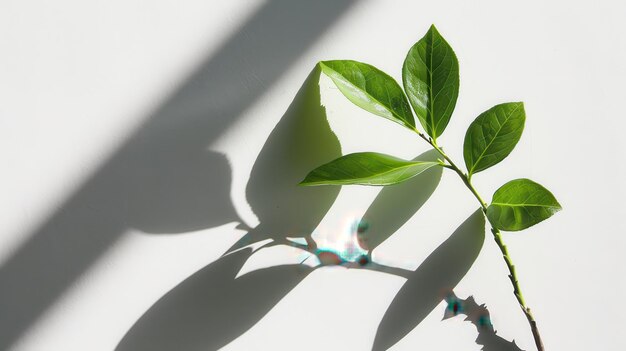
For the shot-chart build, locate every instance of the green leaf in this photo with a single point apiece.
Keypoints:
(521, 203)
(431, 80)
(493, 135)
(371, 89)
(366, 168)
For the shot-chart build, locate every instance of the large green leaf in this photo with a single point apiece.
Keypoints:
(521, 203)
(493, 135)
(431, 80)
(366, 168)
(371, 89)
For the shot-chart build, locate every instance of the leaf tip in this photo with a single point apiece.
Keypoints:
(520, 105)
(305, 182)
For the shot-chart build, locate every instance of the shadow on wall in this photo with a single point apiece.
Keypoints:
(193, 315)
(433, 281)
(301, 141)
(211, 308)
(430, 283)
(162, 180)
(392, 208)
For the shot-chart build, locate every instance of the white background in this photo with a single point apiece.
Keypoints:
(80, 81)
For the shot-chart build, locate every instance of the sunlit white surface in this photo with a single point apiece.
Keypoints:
(78, 78)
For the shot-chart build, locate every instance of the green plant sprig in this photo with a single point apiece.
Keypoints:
(430, 76)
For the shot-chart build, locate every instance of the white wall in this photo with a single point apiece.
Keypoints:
(129, 131)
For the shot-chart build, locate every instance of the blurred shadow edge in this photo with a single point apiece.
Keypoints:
(208, 102)
(212, 308)
(300, 141)
(428, 285)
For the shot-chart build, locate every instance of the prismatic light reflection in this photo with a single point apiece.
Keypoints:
(342, 246)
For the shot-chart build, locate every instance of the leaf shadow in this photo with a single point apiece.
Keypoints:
(301, 141)
(211, 308)
(392, 208)
(428, 285)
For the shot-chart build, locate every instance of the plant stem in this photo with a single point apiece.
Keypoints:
(498, 239)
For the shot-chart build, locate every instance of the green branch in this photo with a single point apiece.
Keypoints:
(430, 76)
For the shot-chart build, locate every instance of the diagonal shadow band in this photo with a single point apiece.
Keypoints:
(162, 180)
(212, 307)
(193, 315)
(430, 283)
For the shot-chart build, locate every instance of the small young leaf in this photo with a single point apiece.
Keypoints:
(431, 79)
(366, 168)
(493, 135)
(371, 89)
(521, 203)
